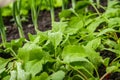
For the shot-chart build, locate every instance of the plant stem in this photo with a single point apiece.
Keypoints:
(2, 29)
(96, 9)
(85, 77)
(104, 76)
(16, 15)
(38, 11)
(114, 60)
(73, 4)
(63, 5)
(98, 3)
(34, 15)
(52, 10)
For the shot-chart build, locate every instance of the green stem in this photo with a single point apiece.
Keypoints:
(16, 15)
(73, 4)
(52, 10)
(104, 76)
(98, 3)
(96, 9)
(85, 77)
(114, 60)
(63, 5)
(39, 7)
(2, 29)
(34, 15)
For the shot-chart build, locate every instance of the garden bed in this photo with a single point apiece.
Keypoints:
(65, 47)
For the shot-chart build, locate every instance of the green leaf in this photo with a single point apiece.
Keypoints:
(59, 75)
(6, 78)
(43, 76)
(106, 61)
(29, 52)
(73, 53)
(3, 63)
(55, 38)
(20, 72)
(33, 67)
(59, 26)
(65, 13)
(105, 31)
(75, 25)
(93, 25)
(13, 75)
(94, 43)
(111, 69)
(81, 4)
(113, 22)
(93, 56)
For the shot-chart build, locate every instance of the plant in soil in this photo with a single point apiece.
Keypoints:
(83, 45)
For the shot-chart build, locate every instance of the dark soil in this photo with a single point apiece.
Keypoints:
(44, 22)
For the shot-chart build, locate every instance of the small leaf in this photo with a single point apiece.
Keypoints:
(75, 25)
(13, 75)
(73, 52)
(59, 26)
(82, 4)
(105, 31)
(3, 63)
(20, 72)
(55, 38)
(33, 67)
(94, 24)
(65, 13)
(111, 69)
(106, 61)
(59, 75)
(43, 76)
(94, 43)
(29, 52)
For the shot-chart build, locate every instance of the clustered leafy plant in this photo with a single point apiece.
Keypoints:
(71, 50)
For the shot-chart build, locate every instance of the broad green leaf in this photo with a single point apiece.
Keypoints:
(94, 43)
(20, 72)
(93, 56)
(84, 65)
(59, 75)
(3, 63)
(113, 22)
(105, 31)
(111, 12)
(81, 4)
(33, 67)
(93, 25)
(65, 13)
(13, 75)
(6, 78)
(29, 52)
(75, 25)
(111, 69)
(59, 26)
(58, 3)
(73, 53)
(42, 76)
(55, 38)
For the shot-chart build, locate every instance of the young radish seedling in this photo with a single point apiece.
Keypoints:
(16, 15)
(34, 14)
(2, 27)
(52, 10)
